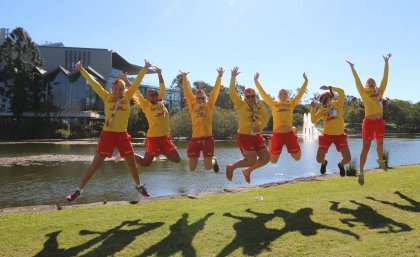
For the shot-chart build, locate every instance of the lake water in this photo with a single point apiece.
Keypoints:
(44, 173)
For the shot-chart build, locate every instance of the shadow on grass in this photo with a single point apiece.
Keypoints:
(113, 240)
(370, 218)
(180, 238)
(254, 237)
(413, 207)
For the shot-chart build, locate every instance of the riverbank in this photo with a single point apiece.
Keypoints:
(332, 216)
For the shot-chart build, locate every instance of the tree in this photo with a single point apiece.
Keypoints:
(21, 58)
(177, 84)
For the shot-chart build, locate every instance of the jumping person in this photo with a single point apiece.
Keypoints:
(373, 126)
(114, 134)
(158, 139)
(201, 110)
(331, 111)
(282, 111)
(253, 117)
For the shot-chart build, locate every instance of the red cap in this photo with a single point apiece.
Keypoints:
(249, 91)
(118, 82)
(200, 92)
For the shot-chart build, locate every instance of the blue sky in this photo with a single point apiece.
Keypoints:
(280, 39)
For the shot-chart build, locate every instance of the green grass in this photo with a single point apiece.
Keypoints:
(333, 217)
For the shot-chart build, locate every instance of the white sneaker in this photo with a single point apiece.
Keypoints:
(117, 158)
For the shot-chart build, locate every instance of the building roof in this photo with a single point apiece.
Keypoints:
(73, 76)
(119, 63)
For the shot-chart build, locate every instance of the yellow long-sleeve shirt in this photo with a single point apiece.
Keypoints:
(282, 111)
(333, 116)
(120, 120)
(156, 114)
(371, 97)
(250, 121)
(201, 114)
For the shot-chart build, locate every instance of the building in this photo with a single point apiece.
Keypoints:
(72, 96)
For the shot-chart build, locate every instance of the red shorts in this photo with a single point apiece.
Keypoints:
(198, 144)
(325, 141)
(250, 142)
(109, 140)
(158, 145)
(373, 129)
(278, 140)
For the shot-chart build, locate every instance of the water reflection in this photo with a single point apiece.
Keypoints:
(44, 173)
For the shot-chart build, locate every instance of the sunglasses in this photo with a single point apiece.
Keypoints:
(153, 95)
(250, 96)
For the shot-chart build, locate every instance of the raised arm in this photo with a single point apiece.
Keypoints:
(384, 80)
(236, 99)
(102, 93)
(359, 84)
(162, 89)
(315, 115)
(189, 96)
(263, 94)
(136, 83)
(216, 89)
(302, 90)
(341, 95)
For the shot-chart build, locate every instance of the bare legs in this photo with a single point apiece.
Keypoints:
(252, 159)
(148, 158)
(93, 167)
(275, 157)
(208, 163)
(364, 153)
(96, 163)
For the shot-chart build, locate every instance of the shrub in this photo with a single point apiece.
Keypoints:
(352, 168)
(62, 133)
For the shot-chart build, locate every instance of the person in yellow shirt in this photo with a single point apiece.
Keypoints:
(373, 126)
(332, 112)
(158, 139)
(201, 110)
(253, 118)
(282, 111)
(114, 134)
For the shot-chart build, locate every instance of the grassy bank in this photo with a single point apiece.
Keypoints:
(334, 217)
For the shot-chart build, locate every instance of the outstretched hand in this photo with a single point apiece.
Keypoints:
(235, 71)
(147, 64)
(220, 71)
(350, 63)
(122, 76)
(78, 66)
(386, 57)
(304, 76)
(183, 74)
(324, 87)
(256, 76)
(157, 70)
(313, 104)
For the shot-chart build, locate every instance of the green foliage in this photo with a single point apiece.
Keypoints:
(225, 123)
(181, 124)
(63, 133)
(385, 156)
(351, 169)
(21, 58)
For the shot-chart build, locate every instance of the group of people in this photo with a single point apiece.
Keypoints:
(252, 118)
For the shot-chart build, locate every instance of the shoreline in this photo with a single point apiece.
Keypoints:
(196, 195)
(88, 141)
